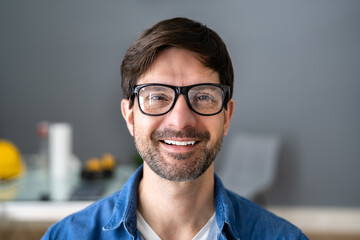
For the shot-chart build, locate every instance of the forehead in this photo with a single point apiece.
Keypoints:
(180, 67)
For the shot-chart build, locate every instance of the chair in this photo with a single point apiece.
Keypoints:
(250, 163)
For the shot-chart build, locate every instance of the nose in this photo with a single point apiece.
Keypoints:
(181, 116)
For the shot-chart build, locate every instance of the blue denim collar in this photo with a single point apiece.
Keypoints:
(124, 212)
(225, 214)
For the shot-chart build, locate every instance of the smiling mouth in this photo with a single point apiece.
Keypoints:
(179, 143)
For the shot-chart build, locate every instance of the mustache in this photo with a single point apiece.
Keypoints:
(186, 133)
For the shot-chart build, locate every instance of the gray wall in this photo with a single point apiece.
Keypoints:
(297, 66)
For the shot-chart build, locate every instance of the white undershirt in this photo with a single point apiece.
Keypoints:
(147, 233)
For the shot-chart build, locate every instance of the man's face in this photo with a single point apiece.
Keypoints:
(180, 145)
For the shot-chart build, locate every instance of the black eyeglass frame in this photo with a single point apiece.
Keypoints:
(184, 90)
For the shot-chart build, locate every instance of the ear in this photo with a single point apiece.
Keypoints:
(228, 115)
(128, 115)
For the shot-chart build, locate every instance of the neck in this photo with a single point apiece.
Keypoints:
(176, 210)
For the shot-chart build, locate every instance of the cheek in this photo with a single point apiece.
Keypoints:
(219, 131)
(144, 125)
(215, 126)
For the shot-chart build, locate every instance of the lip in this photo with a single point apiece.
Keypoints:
(179, 148)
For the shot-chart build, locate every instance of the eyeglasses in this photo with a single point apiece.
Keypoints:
(204, 99)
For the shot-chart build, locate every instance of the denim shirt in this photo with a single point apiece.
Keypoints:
(114, 217)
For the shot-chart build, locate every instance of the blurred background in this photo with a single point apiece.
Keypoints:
(297, 75)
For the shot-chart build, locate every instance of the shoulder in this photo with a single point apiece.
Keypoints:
(96, 221)
(86, 222)
(252, 221)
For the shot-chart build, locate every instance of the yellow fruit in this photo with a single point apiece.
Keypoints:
(93, 165)
(10, 161)
(108, 162)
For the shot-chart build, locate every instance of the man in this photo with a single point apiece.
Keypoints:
(177, 81)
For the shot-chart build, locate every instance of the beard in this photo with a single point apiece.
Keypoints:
(187, 166)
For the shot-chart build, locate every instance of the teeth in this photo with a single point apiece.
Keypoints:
(179, 143)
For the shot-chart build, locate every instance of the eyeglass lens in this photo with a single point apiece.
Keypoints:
(157, 100)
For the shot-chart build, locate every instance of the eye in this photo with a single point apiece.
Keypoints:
(202, 97)
(158, 97)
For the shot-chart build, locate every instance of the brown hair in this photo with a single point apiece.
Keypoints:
(177, 32)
